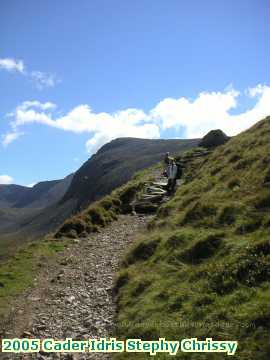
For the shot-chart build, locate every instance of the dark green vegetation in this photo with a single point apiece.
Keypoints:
(203, 269)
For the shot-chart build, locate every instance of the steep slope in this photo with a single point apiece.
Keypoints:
(115, 163)
(41, 195)
(10, 194)
(203, 269)
(19, 226)
(45, 193)
(21, 206)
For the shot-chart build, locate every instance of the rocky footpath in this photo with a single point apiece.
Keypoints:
(73, 298)
(151, 197)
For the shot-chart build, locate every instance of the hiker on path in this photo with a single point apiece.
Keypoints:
(167, 160)
(170, 172)
(172, 176)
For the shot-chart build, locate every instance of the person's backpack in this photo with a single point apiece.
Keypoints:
(179, 171)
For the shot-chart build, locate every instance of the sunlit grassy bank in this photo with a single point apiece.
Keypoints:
(203, 269)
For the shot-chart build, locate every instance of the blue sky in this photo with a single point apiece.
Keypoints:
(76, 74)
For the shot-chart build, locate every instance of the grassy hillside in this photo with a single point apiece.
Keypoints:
(19, 272)
(104, 211)
(203, 269)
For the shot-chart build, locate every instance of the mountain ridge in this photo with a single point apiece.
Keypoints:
(40, 195)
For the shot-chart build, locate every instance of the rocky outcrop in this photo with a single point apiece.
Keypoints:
(152, 196)
(213, 139)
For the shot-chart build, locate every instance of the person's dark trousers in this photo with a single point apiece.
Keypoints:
(171, 186)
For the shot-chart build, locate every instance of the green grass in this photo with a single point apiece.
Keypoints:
(203, 268)
(17, 274)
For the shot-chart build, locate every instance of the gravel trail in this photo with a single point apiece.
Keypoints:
(73, 297)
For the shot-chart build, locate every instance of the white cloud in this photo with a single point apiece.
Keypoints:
(30, 112)
(43, 80)
(212, 111)
(10, 137)
(257, 90)
(40, 79)
(81, 119)
(12, 65)
(37, 104)
(31, 185)
(260, 110)
(6, 179)
(209, 110)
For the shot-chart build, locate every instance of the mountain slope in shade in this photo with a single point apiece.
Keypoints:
(41, 195)
(10, 194)
(115, 163)
(45, 193)
(21, 208)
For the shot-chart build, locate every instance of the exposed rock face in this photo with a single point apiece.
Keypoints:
(213, 139)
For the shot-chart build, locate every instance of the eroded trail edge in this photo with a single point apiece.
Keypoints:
(74, 296)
